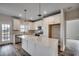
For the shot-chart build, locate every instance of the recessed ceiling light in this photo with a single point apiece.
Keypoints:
(45, 12)
(31, 18)
(20, 15)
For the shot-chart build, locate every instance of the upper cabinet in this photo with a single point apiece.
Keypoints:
(16, 24)
(31, 26)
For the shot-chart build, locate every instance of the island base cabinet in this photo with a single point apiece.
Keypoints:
(25, 44)
(42, 51)
(36, 49)
(31, 47)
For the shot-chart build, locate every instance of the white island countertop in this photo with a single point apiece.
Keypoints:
(48, 43)
(40, 40)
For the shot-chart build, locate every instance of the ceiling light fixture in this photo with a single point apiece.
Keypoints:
(39, 15)
(26, 20)
(31, 18)
(45, 12)
(20, 15)
(25, 14)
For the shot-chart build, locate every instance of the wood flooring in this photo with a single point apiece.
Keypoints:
(12, 50)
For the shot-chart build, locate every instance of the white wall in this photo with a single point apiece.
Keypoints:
(72, 39)
(5, 20)
(72, 29)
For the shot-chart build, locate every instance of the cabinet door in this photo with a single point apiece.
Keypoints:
(42, 50)
(25, 44)
(16, 24)
(31, 47)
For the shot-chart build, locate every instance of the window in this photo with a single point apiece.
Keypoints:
(5, 32)
(24, 28)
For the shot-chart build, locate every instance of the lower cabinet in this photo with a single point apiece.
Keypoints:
(42, 50)
(30, 47)
(25, 44)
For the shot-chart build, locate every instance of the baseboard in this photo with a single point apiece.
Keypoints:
(9, 43)
(5, 44)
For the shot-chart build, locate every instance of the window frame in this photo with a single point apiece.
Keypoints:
(5, 32)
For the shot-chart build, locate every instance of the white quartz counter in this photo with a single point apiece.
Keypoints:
(39, 46)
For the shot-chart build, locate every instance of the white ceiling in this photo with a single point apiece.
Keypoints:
(14, 9)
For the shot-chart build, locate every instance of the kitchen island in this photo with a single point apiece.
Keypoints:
(39, 46)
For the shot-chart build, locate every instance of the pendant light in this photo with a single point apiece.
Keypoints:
(26, 20)
(40, 15)
(25, 14)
